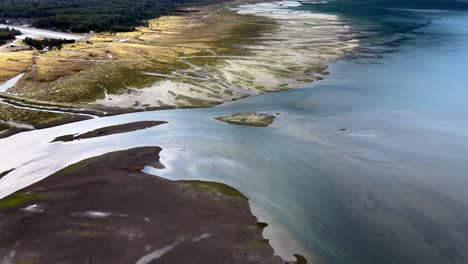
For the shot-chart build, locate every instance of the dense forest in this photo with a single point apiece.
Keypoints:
(40, 44)
(87, 15)
(8, 34)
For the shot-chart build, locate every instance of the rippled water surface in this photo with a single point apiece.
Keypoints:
(367, 166)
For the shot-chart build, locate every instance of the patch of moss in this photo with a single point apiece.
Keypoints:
(300, 259)
(16, 199)
(73, 167)
(215, 187)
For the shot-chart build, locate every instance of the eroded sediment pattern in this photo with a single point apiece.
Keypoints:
(277, 49)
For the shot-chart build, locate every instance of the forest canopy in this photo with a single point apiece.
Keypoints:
(8, 34)
(87, 15)
(50, 43)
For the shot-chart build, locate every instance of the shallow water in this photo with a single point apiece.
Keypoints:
(32, 32)
(368, 166)
(10, 83)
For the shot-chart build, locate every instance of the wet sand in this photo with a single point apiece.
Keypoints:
(105, 210)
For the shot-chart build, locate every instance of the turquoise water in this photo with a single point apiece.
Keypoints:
(367, 166)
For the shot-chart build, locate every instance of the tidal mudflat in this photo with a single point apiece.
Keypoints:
(139, 218)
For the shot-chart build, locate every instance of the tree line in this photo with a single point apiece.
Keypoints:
(8, 34)
(88, 15)
(50, 43)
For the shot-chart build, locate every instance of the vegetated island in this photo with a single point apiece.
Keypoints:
(105, 210)
(110, 130)
(248, 119)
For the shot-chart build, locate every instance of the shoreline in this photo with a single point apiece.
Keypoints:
(175, 63)
(105, 202)
(233, 64)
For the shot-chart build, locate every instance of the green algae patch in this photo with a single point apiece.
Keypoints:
(16, 199)
(248, 119)
(27, 116)
(215, 187)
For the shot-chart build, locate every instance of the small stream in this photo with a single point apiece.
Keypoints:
(10, 83)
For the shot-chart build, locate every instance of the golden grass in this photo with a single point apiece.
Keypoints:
(14, 63)
(82, 71)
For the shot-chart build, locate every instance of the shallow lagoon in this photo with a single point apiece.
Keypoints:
(368, 166)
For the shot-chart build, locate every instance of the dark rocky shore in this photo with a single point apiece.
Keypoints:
(105, 210)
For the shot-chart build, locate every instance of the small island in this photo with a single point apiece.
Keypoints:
(248, 119)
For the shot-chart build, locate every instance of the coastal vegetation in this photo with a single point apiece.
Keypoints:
(87, 15)
(49, 43)
(168, 62)
(216, 187)
(8, 34)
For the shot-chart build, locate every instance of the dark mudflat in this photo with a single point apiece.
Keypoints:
(106, 131)
(105, 210)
